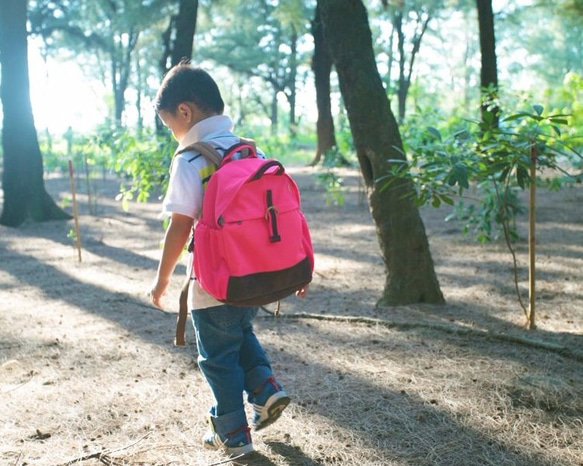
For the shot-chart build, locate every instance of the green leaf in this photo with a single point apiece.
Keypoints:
(521, 176)
(538, 109)
(434, 132)
(517, 116)
(448, 200)
(559, 121)
(459, 175)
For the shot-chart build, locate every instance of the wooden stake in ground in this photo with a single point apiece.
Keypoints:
(75, 211)
(87, 179)
(532, 241)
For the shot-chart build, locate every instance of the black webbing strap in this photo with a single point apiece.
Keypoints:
(272, 214)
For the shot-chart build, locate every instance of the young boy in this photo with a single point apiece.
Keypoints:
(230, 356)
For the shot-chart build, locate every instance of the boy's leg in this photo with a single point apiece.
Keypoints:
(268, 397)
(253, 360)
(219, 335)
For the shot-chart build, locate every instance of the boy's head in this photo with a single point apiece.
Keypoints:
(186, 96)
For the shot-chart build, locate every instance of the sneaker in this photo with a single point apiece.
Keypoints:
(269, 403)
(234, 443)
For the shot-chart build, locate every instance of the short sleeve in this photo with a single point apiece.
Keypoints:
(184, 194)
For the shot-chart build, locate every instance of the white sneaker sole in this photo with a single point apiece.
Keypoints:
(271, 411)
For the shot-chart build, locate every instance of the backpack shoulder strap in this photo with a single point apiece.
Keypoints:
(206, 150)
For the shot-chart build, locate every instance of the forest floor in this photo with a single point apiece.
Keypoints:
(89, 373)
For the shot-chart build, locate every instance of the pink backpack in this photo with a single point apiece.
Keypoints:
(252, 245)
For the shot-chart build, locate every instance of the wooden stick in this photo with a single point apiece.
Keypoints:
(87, 179)
(75, 211)
(532, 242)
(103, 456)
(565, 351)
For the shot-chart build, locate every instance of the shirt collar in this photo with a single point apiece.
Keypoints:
(205, 129)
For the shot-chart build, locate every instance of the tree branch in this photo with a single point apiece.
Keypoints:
(450, 329)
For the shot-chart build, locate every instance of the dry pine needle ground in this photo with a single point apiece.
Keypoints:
(88, 373)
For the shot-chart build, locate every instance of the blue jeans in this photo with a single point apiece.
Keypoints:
(231, 359)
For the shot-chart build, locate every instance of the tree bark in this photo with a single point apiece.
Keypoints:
(25, 197)
(322, 67)
(410, 275)
(185, 29)
(489, 70)
(121, 63)
(406, 70)
(184, 26)
(293, 72)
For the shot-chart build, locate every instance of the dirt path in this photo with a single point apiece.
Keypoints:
(87, 367)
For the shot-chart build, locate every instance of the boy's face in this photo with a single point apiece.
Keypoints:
(180, 121)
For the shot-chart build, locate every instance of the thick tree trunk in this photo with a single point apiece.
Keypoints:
(489, 70)
(25, 196)
(185, 29)
(410, 275)
(182, 27)
(322, 67)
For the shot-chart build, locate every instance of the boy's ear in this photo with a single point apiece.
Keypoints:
(185, 112)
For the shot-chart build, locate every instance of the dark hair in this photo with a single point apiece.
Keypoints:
(185, 83)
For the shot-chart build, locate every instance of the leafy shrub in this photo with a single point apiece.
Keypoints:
(144, 160)
(494, 160)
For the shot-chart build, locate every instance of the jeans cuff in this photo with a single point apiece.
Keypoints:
(230, 422)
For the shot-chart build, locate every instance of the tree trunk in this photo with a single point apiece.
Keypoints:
(489, 70)
(410, 275)
(182, 27)
(403, 88)
(25, 196)
(406, 71)
(274, 113)
(185, 29)
(322, 67)
(292, 84)
(121, 64)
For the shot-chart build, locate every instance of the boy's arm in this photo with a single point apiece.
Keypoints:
(176, 237)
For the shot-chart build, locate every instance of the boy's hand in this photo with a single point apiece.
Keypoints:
(302, 292)
(157, 292)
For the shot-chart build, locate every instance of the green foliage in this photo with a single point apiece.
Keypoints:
(486, 217)
(344, 140)
(66, 201)
(568, 99)
(264, 53)
(141, 159)
(439, 167)
(329, 178)
(145, 160)
(490, 162)
(72, 234)
(297, 151)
